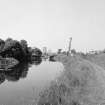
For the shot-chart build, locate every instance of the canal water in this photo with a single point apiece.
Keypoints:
(22, 84)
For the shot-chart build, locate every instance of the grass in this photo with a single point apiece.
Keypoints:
(98, 59)
(81, 83)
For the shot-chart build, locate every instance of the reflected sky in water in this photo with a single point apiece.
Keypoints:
(25, 81)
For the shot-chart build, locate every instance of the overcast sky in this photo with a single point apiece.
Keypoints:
(50, 23)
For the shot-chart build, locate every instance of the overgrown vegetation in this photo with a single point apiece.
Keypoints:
(17, 49)
(81, 83)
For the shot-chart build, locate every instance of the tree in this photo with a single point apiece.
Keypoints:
(8, 39)
(18, 50)
(73, 51)
(37, 52)
(2, 43)
(12, 48)
(24, 46)
(9, 43)
(59, 51)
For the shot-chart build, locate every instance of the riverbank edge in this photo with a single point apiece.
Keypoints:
(72, 87)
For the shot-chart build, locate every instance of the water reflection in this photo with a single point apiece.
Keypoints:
(51, 58)
(18, 72)
(27, 81)
(2, 78)
(36, 61)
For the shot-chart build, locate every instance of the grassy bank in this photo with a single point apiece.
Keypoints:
(81, 83)
(98, 59)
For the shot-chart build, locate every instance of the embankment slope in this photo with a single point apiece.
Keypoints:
(81, 83)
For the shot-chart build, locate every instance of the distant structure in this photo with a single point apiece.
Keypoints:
(49, 52)
(69, 48)
(94, 52)
(44, 50)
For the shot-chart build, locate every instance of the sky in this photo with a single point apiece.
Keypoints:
(50, 23)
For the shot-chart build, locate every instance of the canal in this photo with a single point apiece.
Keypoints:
(23, 83)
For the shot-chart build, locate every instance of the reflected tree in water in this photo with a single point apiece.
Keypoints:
(2, 77)
(36, 61)
(51, 58)
(18, 72)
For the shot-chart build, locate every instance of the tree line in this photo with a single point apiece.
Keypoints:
(17, 49)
